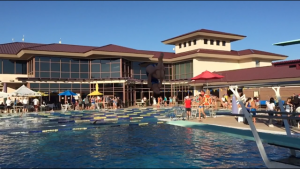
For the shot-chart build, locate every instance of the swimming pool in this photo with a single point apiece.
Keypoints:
(150, 146)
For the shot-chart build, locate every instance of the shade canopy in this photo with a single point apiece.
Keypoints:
(206, 75)
(287, 43)
(43, 94)
(67, 93)
(4, 95)
(25, 91)
(96, 93)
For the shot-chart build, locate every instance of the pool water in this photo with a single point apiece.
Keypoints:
(150, 146)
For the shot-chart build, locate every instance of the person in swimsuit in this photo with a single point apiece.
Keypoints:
(170, 101)
(156, 74)
(201, 107)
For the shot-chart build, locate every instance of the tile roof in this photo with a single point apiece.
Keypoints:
(56, 47)
(205, 31)
(232, 52)
(286, 62)
(257, 73)
(16, 47)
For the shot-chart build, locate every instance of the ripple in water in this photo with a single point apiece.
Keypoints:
(153, 146)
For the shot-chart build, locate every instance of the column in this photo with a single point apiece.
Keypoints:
(5, 87)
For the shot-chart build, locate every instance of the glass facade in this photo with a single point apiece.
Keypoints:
(105, 68)
(70, 68)
(183, 70)
(55, 67)
(13, 66)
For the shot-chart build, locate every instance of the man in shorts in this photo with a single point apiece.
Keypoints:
(187, 103)
(36, 104)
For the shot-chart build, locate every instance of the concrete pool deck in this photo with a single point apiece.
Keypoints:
(231, 122)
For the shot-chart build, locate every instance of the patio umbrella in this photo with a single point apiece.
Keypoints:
(42, 94)
(3, 95)
(95, 93)
(67, 93)
(207, 75)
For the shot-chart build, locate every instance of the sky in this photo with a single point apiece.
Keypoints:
(143, 25)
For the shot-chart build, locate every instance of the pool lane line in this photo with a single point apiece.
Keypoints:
(82, 128)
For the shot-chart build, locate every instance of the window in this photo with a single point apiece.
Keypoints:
(8, 66)
(0, 66)
(55, 75)
(190, 43)
(184, 44)
(84, 68)
(75, 75)
(105, 75)
(224, 43)
(84, 75)
(21, 67)
(105, 67)
(115, 67)
(45, 59)
(95, 76)
(54, 85)
(218, 42)
(96, 68)
(257, 63)
(37, 66)
(45, 74)
(74, 67)
(179, 45)
(55, 59)
(34, 85)
(65, 67)
(195, 42)
(115, 75)
(65, 75)
(55, 67)
(44, 85)
(44, 66)
(75, 85)
(212, 42)
(205, 41)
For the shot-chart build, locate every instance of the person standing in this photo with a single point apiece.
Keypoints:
(36, 104)
(8, 105)
(187, 103)
(25, 105)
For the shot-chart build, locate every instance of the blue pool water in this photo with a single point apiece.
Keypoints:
(151, 146)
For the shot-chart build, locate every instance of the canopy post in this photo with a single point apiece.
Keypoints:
(248, 116)
(286, 124)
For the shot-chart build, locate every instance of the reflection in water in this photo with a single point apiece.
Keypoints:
(153, 146)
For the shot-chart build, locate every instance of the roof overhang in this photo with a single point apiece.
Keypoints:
(176, 40)
(286, 81)
(287, 43)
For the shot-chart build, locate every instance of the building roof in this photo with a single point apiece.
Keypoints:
(16, 47)
(286, 63)
(56, 47)
(205, 31)
(287, 43)
(257, 73)
(232, 52)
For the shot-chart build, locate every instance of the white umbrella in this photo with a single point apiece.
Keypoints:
(4, 95)
(24, 91)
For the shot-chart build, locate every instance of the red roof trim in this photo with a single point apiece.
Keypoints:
(205, 31)
(16, 47)
(286, 63)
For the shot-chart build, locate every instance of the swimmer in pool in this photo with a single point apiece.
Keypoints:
(156, 74)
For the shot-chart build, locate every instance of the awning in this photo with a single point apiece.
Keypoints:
(287, 43)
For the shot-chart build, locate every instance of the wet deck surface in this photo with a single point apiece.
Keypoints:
(261, 124)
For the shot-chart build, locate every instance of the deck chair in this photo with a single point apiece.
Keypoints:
(194, 112)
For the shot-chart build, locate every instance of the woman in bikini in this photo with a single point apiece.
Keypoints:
(201, 107)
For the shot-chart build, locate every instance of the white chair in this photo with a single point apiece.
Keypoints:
(194, 112)
(240, 119)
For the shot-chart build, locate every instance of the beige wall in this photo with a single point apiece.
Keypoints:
(200, 65)
(251, 64)
(9, 77)
(200, 45)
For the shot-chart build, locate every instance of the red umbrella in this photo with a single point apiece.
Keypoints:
(207, 75)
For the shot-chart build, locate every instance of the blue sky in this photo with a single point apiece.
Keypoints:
(143, 25)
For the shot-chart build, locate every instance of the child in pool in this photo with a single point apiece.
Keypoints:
(156, 74)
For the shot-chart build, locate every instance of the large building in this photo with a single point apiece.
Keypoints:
(54, 68)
